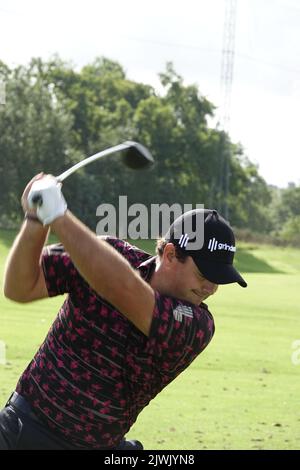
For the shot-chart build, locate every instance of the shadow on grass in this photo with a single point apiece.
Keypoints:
(246, 262)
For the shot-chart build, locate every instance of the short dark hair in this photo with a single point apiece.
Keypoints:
(160, 246)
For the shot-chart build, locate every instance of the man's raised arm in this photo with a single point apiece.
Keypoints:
(24, 279)
(105, 270)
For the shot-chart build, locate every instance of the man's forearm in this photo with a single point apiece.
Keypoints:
(23, 263)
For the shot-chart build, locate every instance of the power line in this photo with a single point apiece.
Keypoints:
(212, 50)
(172, 44)
(270, 64)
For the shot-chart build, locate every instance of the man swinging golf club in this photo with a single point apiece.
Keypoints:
(129, 325)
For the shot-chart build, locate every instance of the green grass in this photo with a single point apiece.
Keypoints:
(241, 393)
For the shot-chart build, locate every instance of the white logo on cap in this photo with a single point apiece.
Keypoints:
(214, 245)
(184, 240)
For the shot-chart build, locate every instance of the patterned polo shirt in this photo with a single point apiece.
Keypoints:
(95, 371)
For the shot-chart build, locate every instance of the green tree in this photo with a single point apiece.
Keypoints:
(285, 208)
(250, 196)
(56, 115)
(290, 231)
(34, 134)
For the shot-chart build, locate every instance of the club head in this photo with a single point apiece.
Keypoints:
(137, 156)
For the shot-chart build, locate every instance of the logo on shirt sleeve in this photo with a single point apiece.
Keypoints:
(182, 310)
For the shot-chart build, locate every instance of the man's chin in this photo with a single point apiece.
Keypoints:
(204, 297)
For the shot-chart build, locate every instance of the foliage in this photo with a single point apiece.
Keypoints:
(56, 115)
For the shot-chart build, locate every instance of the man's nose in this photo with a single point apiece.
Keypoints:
(209, 287)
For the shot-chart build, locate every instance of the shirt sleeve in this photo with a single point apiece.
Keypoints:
(134, 255)
(179, 332)
(61, 275)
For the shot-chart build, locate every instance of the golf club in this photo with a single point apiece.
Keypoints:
(134, 156)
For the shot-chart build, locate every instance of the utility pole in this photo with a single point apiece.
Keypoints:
(227, 67)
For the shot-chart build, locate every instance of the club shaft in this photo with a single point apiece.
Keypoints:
(86, 161)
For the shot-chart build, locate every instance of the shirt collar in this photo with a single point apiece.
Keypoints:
(147, 268)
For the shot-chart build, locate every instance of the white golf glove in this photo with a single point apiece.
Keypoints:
(45, 195)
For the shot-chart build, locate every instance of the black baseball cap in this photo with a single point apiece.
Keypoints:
(208, 238)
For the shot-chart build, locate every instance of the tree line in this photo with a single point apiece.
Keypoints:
(55, 115)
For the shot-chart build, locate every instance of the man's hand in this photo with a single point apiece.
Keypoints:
(46, 198)
(24, 199)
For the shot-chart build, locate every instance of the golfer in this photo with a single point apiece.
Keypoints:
(129, 325)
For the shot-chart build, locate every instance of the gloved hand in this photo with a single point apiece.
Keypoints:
(45, 195)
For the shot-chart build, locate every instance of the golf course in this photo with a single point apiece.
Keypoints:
(242, 392)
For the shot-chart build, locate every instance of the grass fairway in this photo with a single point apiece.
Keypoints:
(241, 393)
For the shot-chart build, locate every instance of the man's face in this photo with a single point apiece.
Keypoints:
(184, 278)
(190, 284)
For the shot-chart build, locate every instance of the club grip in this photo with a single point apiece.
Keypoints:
(37, 200)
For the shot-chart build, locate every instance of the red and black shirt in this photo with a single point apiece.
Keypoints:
(95, 371)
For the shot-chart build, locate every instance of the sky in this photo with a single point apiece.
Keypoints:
(144, 35)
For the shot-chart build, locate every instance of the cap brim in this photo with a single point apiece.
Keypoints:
(220, 273)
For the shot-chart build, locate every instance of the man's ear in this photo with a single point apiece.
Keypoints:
(169, 254)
